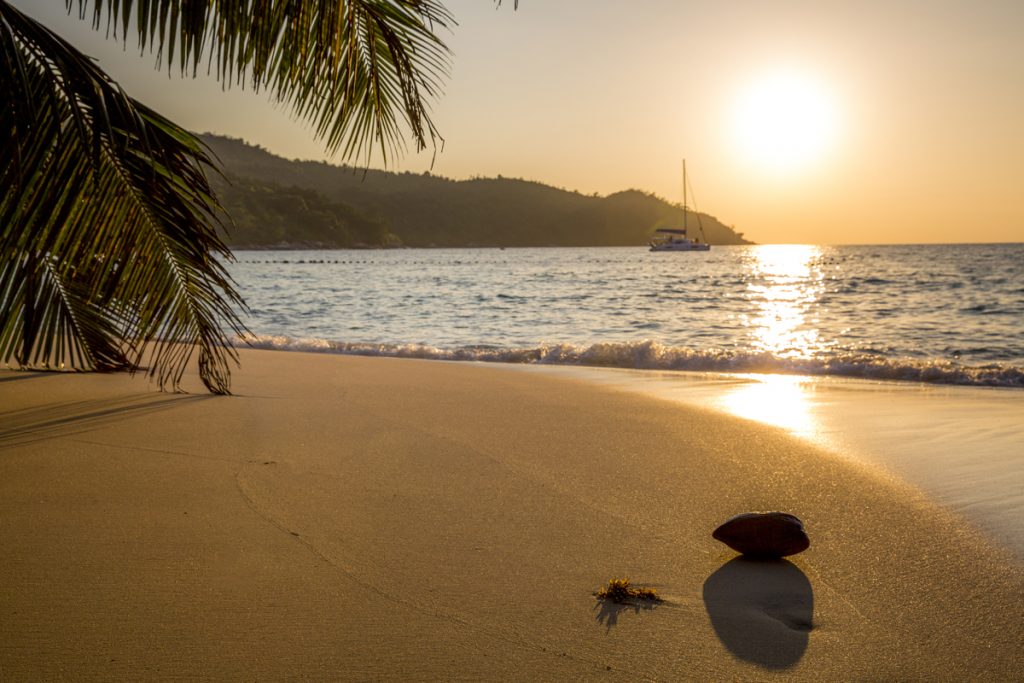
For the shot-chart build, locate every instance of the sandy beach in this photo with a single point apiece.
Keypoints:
(346, 518)
(960, 445)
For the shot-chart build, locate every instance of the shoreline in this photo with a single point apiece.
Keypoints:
(959, 444)
(648, 356)
(347, 517)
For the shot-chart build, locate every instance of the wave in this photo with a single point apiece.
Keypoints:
(650, 355)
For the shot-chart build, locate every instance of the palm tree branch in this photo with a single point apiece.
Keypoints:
(65, 328)
(300, 50)
(187, 305)
(114, 200)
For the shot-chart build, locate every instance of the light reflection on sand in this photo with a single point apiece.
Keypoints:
(962, 446)
(777, 400)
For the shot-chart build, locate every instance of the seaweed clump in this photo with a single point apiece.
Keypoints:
(621, 590)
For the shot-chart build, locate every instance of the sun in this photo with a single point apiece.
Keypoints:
(784, 121)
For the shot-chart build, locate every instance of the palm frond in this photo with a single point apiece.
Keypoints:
(362, 72)
(108, 247)
(59, 325)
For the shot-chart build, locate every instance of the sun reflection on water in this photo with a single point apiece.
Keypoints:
(784, 285)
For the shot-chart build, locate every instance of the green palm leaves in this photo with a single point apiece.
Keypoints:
(109, 255)
(358, 70)
(108, 247)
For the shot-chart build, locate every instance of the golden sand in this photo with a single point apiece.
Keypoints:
(368, 518)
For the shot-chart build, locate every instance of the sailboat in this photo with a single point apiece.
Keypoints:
(674, 239)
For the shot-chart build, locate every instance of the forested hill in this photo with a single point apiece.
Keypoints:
(278, 202)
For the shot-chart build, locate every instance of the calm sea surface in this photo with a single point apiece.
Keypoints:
(937, 313)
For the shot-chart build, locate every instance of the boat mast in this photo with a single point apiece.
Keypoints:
(684, 197)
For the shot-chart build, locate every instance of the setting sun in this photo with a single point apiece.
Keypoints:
(783, 122)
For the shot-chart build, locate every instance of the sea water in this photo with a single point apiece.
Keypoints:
(933, 313)
(909, 358)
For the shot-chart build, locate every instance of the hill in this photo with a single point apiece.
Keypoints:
(276, 201)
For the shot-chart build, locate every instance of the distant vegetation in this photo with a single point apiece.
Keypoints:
(275, 202)
(267, 214)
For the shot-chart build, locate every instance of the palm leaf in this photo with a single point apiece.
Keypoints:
(59, 326)
(362, 72)
(109, 248)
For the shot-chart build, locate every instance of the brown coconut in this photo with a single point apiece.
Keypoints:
(764, 534)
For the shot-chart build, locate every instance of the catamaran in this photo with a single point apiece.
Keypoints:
(675, 239)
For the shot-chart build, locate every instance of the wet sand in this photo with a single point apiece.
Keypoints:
(371, 518)
(963, 446)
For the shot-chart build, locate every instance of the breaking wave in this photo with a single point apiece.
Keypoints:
(650, 355)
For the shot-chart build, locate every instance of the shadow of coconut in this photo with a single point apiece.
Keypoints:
(761, 610)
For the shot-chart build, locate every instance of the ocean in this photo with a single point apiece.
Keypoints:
(908, 359)
(950, 314)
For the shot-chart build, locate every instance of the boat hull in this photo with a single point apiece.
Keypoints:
(680, 246)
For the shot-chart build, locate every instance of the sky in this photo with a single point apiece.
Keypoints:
(823, 122)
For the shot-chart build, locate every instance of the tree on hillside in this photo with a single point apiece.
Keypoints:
(109, 254)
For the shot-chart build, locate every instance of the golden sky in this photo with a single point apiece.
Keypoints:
(812, 122)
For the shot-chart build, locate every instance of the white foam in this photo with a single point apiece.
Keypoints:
(651, 355)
